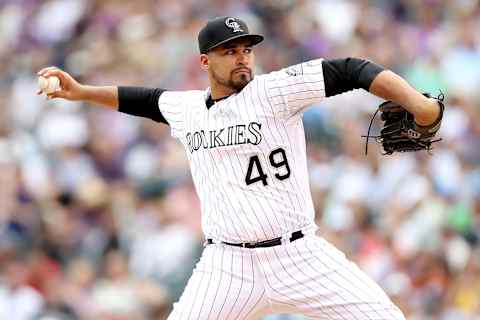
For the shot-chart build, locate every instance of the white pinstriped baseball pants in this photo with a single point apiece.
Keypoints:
(308, 276)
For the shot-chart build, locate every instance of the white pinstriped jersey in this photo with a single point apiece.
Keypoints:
(247, 153)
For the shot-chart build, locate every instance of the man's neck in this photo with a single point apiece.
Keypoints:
(218, 91)
(220, 97)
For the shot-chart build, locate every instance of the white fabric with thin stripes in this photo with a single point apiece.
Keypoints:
(308, 276)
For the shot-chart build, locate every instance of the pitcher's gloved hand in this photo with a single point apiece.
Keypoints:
(400, 133)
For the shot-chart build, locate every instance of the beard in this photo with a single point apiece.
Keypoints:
(235, 84)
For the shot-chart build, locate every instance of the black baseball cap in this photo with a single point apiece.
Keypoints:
(220, 30)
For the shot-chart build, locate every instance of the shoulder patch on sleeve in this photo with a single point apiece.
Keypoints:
(295, 70)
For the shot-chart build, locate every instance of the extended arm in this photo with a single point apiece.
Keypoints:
(390, 86)
(137, 101)
(342, 75)
(71, 89)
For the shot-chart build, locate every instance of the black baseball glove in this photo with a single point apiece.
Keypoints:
(400, 133)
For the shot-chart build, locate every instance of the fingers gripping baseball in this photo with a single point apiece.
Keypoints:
(56, 83)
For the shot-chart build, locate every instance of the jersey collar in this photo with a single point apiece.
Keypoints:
(209, 102)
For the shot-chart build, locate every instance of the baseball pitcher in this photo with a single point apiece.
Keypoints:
(245, 143)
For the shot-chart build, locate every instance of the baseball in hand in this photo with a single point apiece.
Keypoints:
(49, 85)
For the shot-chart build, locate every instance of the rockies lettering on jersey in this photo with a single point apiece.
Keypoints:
(232, 135)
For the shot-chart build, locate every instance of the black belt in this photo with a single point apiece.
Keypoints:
(262, 244)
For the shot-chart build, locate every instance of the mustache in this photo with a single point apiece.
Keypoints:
(242, 69)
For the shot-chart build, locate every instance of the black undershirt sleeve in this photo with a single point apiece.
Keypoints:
(140, 101)
(341, 75)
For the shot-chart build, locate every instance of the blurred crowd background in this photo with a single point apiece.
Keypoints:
(98, 215)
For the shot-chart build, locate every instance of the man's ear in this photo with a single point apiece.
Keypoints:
(204, 62)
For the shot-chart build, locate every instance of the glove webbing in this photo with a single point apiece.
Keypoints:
(368, 133)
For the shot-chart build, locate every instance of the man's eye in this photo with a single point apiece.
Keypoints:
(248, 50)
(231, 51)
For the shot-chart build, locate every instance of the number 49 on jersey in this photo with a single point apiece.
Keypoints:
(255, 171)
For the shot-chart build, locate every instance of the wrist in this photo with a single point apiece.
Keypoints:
(428, 113)
(84, 92)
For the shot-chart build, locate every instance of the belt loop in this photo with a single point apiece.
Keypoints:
(286, 238)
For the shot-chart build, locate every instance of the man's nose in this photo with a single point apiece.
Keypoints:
(242, 59)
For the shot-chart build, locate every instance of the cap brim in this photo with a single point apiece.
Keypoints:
(254, 38)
